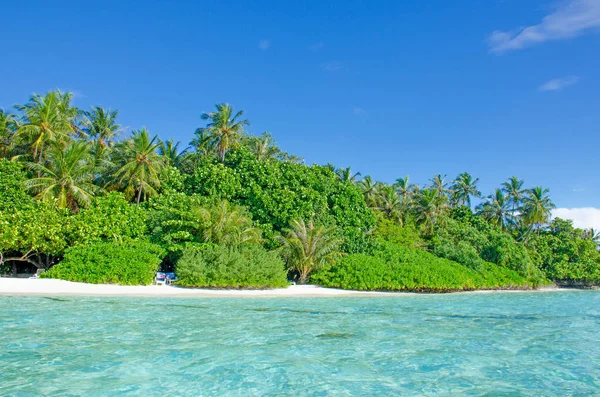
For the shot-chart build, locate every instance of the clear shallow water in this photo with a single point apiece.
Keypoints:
(530, 344)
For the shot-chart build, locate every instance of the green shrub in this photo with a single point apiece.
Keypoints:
(399, 268)
(245, 266)
(128, 263)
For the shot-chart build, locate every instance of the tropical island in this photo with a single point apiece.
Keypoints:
(82, 201)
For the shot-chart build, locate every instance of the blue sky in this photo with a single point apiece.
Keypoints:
(391, 88)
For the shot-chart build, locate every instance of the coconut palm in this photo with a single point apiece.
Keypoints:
(170, 151)
(389, 202)
(202, 142)
(307, 247)
(403, 187)
(66, 176)
(138, 165)
(439, 184)
(346, 175)
(369, 190)
(224, 127)
(8, 125)
(430, 206)
(496, 209)
(47, 119)
(463, 188)
(591, 234)
(101, 125)
(513, 188)
(263, 147)
(537, 207)
(227, 225)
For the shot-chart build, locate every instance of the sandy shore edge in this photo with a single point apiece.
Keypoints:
(52, 287)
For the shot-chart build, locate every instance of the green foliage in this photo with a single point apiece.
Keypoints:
(244, 266)
(397, 268)
(307, 248)
(110, 217)
(277, 192)
(566, 256)
(465, 237)
(406, 235)
(12, 188)
(130, 263)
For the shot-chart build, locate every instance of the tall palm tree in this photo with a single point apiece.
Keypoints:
(224, 127)
(101, 125)
(46, 119)
(404, 187)
(228, 225)
(496, 209)
(430, 205)
(307, 247)
(170, 151)
(8, 125)
(463, 187)
(138, 165)
(369, 190)
(591, 234)
(389, 202)
(202, 142)
(66, 176)
(514, 192)
(346, 175)
(537, 207)
(439, 184)
(263, 147)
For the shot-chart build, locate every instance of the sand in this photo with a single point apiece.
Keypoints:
(52, 287)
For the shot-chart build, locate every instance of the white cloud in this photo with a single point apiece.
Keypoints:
(558, 84)
(332, 66)
(583, 218)
(573, 18)
(264, 44)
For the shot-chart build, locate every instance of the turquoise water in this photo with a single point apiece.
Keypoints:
(530, 344)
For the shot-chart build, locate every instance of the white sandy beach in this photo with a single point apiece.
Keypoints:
(52, 287)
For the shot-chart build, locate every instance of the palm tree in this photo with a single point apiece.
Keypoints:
(537, 207)
(346, 175)
(429, 207)
(66, 176)
(439, 184)
(496, 209)
(369, 190)
(591, 234)
(8, 125)
(170, 151)
(227, 225)
(224, 127)
(202, 142)
(463, 187)
(514, 192)
(46, 119)
(263, 147)
(101, 125)
(389, 202)
(307, 247)
(138, 165)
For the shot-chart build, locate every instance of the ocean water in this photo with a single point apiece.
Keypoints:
(522, 344)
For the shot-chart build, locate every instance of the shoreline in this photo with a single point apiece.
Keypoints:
(54, 287)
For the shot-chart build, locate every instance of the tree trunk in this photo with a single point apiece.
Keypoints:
(139, 194)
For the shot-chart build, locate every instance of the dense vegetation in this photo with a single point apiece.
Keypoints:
(90, 203)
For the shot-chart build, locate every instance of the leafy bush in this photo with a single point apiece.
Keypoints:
(110, 217)
(246, 266)
(12, 189)
(129, 263)
(398, 268)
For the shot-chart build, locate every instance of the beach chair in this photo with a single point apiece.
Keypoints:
(160, 278)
